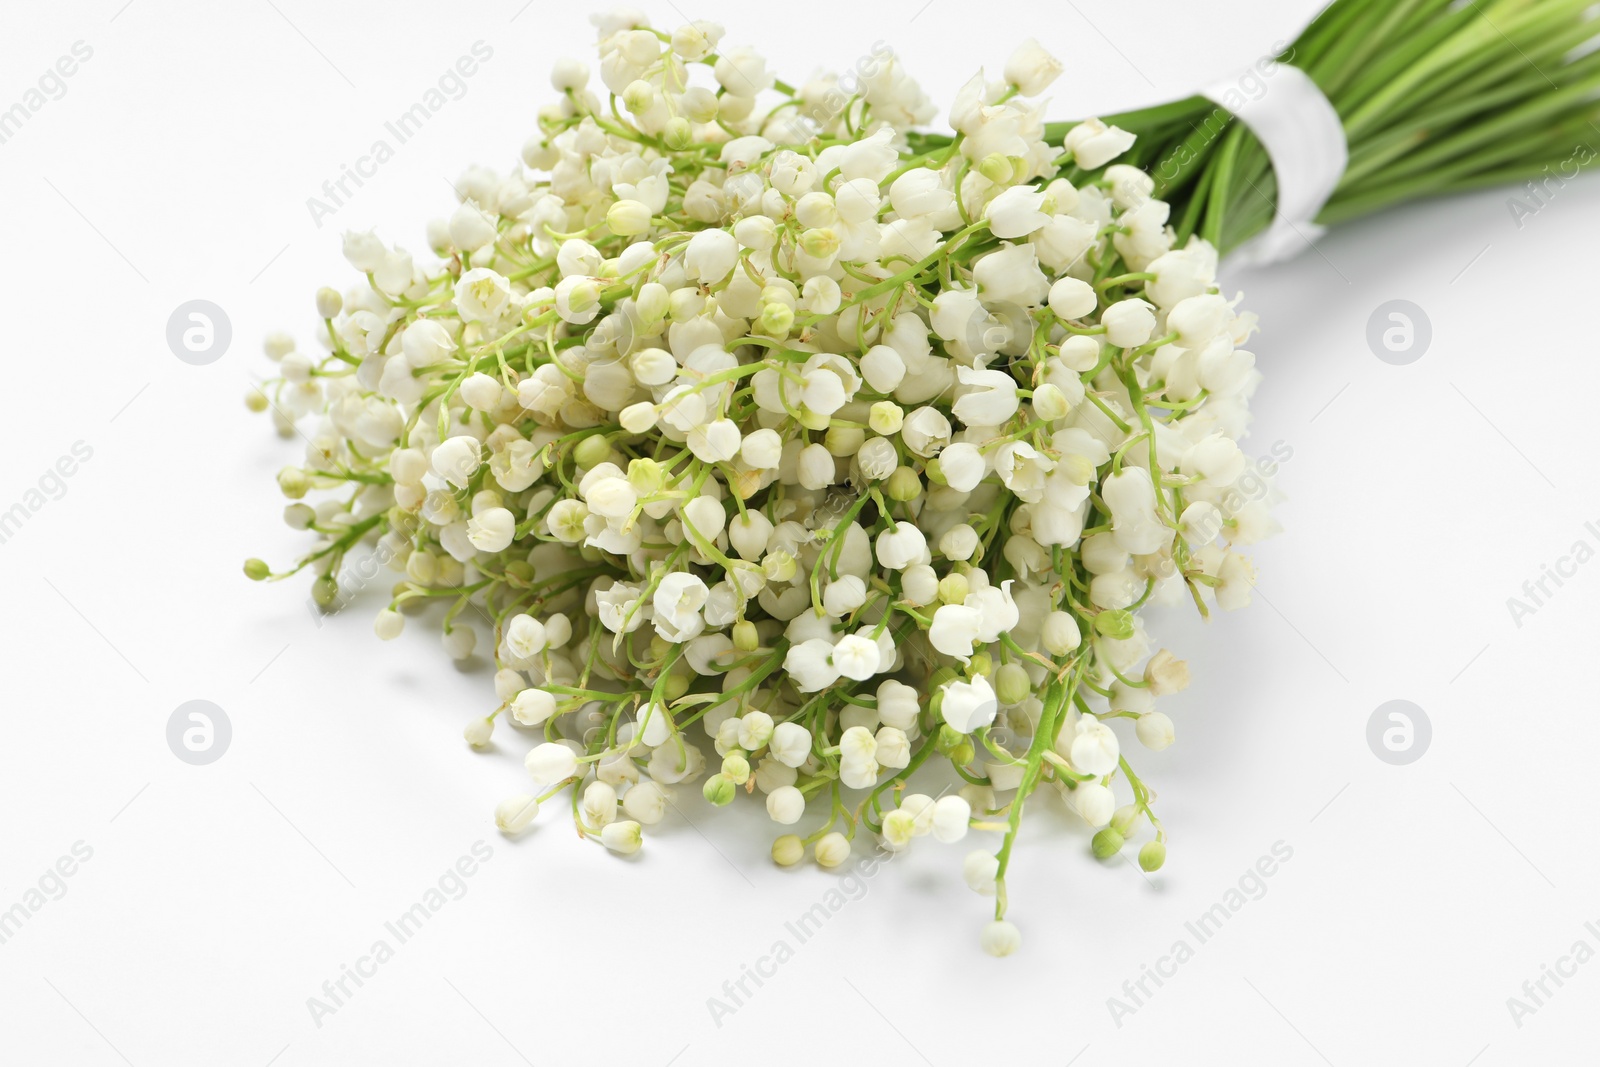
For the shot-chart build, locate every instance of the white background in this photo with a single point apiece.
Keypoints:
(219, 898)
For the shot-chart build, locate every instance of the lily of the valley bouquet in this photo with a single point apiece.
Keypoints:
(774, 449)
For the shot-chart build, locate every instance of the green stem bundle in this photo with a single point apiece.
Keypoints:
(1436, 97)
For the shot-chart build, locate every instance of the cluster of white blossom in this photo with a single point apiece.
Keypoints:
(774, 439)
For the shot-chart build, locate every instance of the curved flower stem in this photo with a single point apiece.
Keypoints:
(1057, 700)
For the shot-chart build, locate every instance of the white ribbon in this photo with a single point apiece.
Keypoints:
(1304, 139)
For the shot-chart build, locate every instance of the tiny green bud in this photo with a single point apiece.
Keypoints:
(325, 591)
(963, 753)
(949, 739)
(996, 168)
(814, 420)
(777, 320)
(886, 418)
(1117, 625)
(1152, 855)
(646, 476)
(778, 294)
(904, 485)
(677, 685)
(953, 588)
(1106, 843)
(592, 451)
(256, 569)
(294, 482)
(844, 441)
(935, 473)
(788, 850)
(678, 134)
(638, 97)
(255, 400)
(780, 566)
(982, 663)
(736, 767)
(1012, 684)
(819, 243)
(745, 636)
(719, 790)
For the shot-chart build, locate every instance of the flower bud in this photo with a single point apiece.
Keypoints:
(388, 624)
(904, 485)
(1001, 938)
(736, 768)
(1166, 674)
(951, 818)
(1106, 843)
(819, 243)
(745, 636)
(1050, 403)
(1012, 684)
(776, 320)
(679, 134)
(623, 838)
(294, 482)
(325, 591)
(832, 850)
(551, 762)
(515, 814)
(979, 870)
(886, 417)
(788, 850)
(1117, 625)
(478, 732)
(1093, 802)
(638, 418)
(1072, 299)
(628, 218)
(256, 569)
(898, 829)
(780, 566)
(1155, 730)
(329, 302)
(599, 804)
(645, 802)
(1152, 855)
(996, 167)
(786, 805)
(719, 789)
(953, 588)
(531, 707)
(1094, 749)
(1129, 323)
